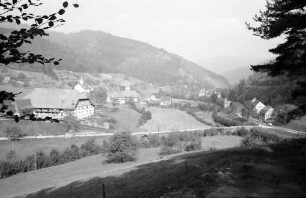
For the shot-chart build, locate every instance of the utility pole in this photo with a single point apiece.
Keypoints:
(35, 165)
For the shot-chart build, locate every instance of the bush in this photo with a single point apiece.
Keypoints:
(122, 147)
(90, 148)
(242, 132)
(150, 141)
(178, 142)
(257, 137)
(21, 76)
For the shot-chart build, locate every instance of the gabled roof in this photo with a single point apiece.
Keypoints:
(265, 109)
(54, 98)
(24, 104)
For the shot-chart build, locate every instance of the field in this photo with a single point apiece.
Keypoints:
(170, 119)
(90, 167)
(28, 147)
(127, 119)
(33, 128)
(206, 115)
(260, 171)
(298, 124)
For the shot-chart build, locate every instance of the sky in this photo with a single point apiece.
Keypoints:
(194, 29)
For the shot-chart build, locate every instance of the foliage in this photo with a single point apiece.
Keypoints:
(285, 18)
(98, 95)
(242, 132)
(179, 142)
(122, 147)
(226, 121)
(258, 137)
(90, 148)
(150, 141)
(21, 76)
(12, 165)
(72, 123)
(16, 12)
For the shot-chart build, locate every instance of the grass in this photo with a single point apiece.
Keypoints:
(206, 115)
(127, 119)
(86, 168)
(261, 171)
(28, 147)
(170, 119)
(33, 128)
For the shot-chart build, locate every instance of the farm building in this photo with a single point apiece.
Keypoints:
(58, 103)
(122, 97)
(257, 105)
(266, 113)
(165, 101)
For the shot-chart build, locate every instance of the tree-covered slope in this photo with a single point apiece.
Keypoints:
(96, 51)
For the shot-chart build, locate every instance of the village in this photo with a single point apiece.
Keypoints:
(90, 100)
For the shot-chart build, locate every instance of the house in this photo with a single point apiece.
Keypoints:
(127, 85)
(165, 101)
(257, 105)
(266, 113)
(58, 103)
(82, 88)
(6, 79)
(202, 93)
(122, 97)
(226, 103)
(153, 100)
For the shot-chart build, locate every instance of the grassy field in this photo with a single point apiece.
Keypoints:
(33, 128)
(297, 124)
(127, 119)
(170, 119)
(206, 115)
(28, 147)
(262, 171)
(90, 167)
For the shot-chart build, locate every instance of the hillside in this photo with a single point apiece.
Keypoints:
(259, 171)
(96, 51)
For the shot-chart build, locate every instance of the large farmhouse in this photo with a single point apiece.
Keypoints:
(58, 103)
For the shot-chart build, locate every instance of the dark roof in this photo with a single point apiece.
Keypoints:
(265, 109)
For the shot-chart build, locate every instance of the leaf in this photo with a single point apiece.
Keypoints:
(65, 4)
(2, 37)
(76, 5)
(61, 11)
(51, 24)
(17, 21)
(39, 20)
(14, 1)
(56, 63)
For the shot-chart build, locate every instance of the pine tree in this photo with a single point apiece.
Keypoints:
(285, 18)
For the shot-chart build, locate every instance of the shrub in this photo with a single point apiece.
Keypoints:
(21, 76)
(54, 157)
(242, 132)
(122, 147)
(178, 142)
(150, 141)
(257, 137)
(90, 148)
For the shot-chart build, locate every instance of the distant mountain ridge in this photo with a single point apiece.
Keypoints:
(96, 51)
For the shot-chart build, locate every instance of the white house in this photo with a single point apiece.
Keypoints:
(58, 103)
(258, 106)
(266, 113)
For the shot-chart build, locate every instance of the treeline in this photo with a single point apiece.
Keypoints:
(145, 115)
(12, 165)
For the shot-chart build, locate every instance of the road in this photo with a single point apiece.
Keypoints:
(101, 134)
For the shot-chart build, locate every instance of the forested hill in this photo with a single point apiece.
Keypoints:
(96, 51)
